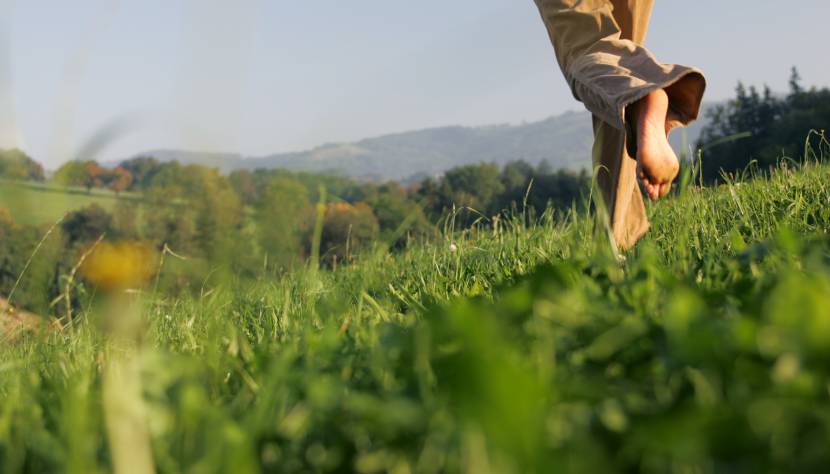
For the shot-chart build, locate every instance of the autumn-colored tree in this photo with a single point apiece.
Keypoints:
(88, 174)
(94, 174)
(120, 179)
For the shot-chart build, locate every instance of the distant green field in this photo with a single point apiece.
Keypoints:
(35, 203)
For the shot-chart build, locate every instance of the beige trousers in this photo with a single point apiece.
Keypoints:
(599, 47)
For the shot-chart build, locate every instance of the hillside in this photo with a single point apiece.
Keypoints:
(564, 141)
(528, 349)
(223, 161)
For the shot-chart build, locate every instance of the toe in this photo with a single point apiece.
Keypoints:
(652, 191)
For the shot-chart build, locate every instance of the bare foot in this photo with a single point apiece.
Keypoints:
(657, 165)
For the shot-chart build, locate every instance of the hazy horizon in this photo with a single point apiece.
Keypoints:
(260, 78)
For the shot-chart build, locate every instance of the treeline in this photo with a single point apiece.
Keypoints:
(761, 128)
(485, 190)
(261, 223)
(90, 174)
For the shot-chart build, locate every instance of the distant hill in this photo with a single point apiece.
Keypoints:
(564, 141)
(223, 161)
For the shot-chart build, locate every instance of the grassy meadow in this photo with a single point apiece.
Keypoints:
(44, 203)
(525, 347)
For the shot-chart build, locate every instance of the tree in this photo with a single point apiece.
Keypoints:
(142, 169)
(347, 228)
(393, 208)
(795, 82)
(516, 178)
(15, 164)
(37, 284)
(9, 267)
(86, 225)
(119, 179)
(492, 192)
(195, 208)
(170, 224)
(281, 217)
(469, 186)
(218, 209)
(94, 175)
(473, 186)
(169, 176)
(245, 186)
(88, 174)
(517, 174)
(71, 173)
(125, 220)
(761, 128)
(560, 190)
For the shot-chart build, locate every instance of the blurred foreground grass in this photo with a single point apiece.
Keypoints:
(524, 348)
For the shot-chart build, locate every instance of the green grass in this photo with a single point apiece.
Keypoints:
(42, 203)
(526, 349)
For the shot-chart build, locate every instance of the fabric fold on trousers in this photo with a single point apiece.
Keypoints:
(607, 82)
(599, 47)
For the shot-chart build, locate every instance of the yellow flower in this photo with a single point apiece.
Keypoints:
(118, 266)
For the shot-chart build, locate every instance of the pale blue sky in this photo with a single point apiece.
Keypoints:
(259, 76)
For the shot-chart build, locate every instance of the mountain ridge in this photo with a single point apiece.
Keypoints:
(564, 141)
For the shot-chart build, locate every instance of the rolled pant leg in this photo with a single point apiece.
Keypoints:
(599, 47)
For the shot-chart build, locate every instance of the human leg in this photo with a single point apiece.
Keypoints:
(598, 45)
